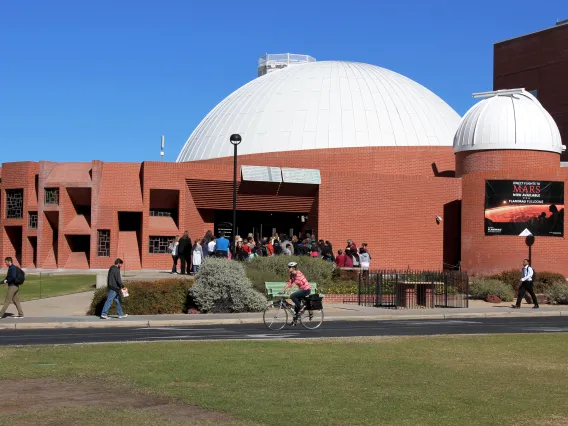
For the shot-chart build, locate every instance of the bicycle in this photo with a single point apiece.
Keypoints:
(276, 314)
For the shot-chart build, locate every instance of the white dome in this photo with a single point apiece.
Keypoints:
(324, 105)
(509, 119)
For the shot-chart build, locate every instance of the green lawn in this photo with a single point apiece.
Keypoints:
(51, 285)
(474, 380)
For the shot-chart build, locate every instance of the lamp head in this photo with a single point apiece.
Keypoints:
(235, 139)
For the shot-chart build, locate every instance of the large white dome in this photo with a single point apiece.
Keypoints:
(508, 119)
(324, 105)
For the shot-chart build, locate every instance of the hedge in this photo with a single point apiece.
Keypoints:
(544, 279)
(557, 294)
(167, 296)
(275, 268)
(483, 287)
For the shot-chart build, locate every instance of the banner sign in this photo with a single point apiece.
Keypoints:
(524, 208)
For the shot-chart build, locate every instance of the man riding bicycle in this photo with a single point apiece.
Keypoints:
(304, 287)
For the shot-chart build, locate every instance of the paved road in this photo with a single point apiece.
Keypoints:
(258, 331)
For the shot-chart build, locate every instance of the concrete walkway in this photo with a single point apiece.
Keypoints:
(51, 314)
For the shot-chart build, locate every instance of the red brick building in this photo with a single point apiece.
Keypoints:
(539, 63)
(393, 182)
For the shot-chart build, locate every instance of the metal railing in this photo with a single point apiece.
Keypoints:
(413, 289)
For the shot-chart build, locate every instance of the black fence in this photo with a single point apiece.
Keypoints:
(413, 289)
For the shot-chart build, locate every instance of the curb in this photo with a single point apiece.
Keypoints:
(230, 321)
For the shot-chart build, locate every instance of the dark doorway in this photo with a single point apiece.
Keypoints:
(260, 224)
(15, 236)
(452, 235)
(33, 244)
(79, 243)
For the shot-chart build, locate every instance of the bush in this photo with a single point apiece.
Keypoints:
(275, 268)
(544, 279)
(168, 296)
(222, 286)
(481, 288)
(557, 293)
(339, 287)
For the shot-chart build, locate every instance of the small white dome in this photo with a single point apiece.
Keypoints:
(509, 119)
(324, 105)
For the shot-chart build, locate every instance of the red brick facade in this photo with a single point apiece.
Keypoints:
(386, 197)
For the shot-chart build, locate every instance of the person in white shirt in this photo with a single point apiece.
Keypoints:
(211, 246)
(526, 285)
(197, 255)
(173, 248)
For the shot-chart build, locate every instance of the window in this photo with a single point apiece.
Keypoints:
(159, 245)
(103, 247)
(51, 196)
(14, 203)
(160, 212)
(32, 220)
(534, 93)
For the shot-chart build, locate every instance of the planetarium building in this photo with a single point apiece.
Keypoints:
(339, 149)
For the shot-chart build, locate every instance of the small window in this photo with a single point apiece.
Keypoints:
(159, 245)
(103, 247)
(14, 203)
(534, 93)
(32, 220)
(161, 212)
(51, 196)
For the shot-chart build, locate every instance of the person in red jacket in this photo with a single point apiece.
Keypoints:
(340, 259)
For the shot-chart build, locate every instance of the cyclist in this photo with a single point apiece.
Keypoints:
(304, 287)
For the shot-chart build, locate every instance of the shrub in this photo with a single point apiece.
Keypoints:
(222, 286)
(481, 288)
(275, 268)
(557, 293)
(544, 279)
(167, 296)
(339, 287)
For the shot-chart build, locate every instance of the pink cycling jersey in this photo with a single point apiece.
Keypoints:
(298, 279)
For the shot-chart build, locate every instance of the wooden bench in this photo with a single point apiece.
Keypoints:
(273, 288)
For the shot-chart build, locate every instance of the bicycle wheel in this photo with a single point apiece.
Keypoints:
(311, 319)
(275, 317)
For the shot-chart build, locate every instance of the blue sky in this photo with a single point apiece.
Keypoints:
(84, 80)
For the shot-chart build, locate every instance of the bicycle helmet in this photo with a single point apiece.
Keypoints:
(292, 265)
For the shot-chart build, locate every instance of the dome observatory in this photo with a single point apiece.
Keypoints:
(320, 105)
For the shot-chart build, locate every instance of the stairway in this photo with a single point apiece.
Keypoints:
(128, 250)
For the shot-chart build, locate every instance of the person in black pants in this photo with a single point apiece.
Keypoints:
(184, 252)
(526, 285)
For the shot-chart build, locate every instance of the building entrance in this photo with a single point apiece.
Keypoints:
(260, 224)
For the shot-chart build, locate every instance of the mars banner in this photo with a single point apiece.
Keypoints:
(524, 207)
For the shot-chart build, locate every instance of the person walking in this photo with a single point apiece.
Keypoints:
(526, 285)
(197, 255)
(184, 253)
(173, 247)
(115, 286)
(13, 282)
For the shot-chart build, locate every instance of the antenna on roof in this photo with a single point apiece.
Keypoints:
(162, 148)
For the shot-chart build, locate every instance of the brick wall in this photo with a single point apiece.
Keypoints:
(500, 160)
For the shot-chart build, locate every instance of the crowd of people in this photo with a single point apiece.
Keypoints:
(191, 254)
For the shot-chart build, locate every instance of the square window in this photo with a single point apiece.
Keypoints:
(51, 196)
(159, 245)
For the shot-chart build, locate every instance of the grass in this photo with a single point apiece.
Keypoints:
(51, 285)
(469, 380)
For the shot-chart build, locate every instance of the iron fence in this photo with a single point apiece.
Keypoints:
(413, 289)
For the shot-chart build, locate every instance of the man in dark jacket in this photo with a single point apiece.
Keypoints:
(184, 252)
(114, 284)
(13, 289)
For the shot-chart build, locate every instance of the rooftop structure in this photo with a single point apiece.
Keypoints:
(274, 62)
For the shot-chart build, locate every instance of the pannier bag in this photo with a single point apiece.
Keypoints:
(315, 302)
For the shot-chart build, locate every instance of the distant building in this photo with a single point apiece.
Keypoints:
(274, 62)
(539, 63)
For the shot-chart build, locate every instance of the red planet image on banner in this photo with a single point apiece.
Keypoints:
(524, 208)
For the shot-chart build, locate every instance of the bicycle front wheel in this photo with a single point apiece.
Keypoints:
(311, 319)
(275, 317)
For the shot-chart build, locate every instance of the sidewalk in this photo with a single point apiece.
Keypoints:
(333, 312)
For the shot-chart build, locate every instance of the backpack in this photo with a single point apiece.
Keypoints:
(534, 275)
(20, 276)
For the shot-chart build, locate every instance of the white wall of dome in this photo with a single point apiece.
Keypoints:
(327, 104)
(508, 119)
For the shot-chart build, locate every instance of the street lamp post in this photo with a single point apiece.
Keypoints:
(235, 140)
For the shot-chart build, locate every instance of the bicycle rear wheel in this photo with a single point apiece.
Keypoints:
(275, 317)
(311, 319)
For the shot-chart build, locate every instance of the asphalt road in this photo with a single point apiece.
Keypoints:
(258, 331)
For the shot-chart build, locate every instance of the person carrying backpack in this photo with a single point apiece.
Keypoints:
(14, 278)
